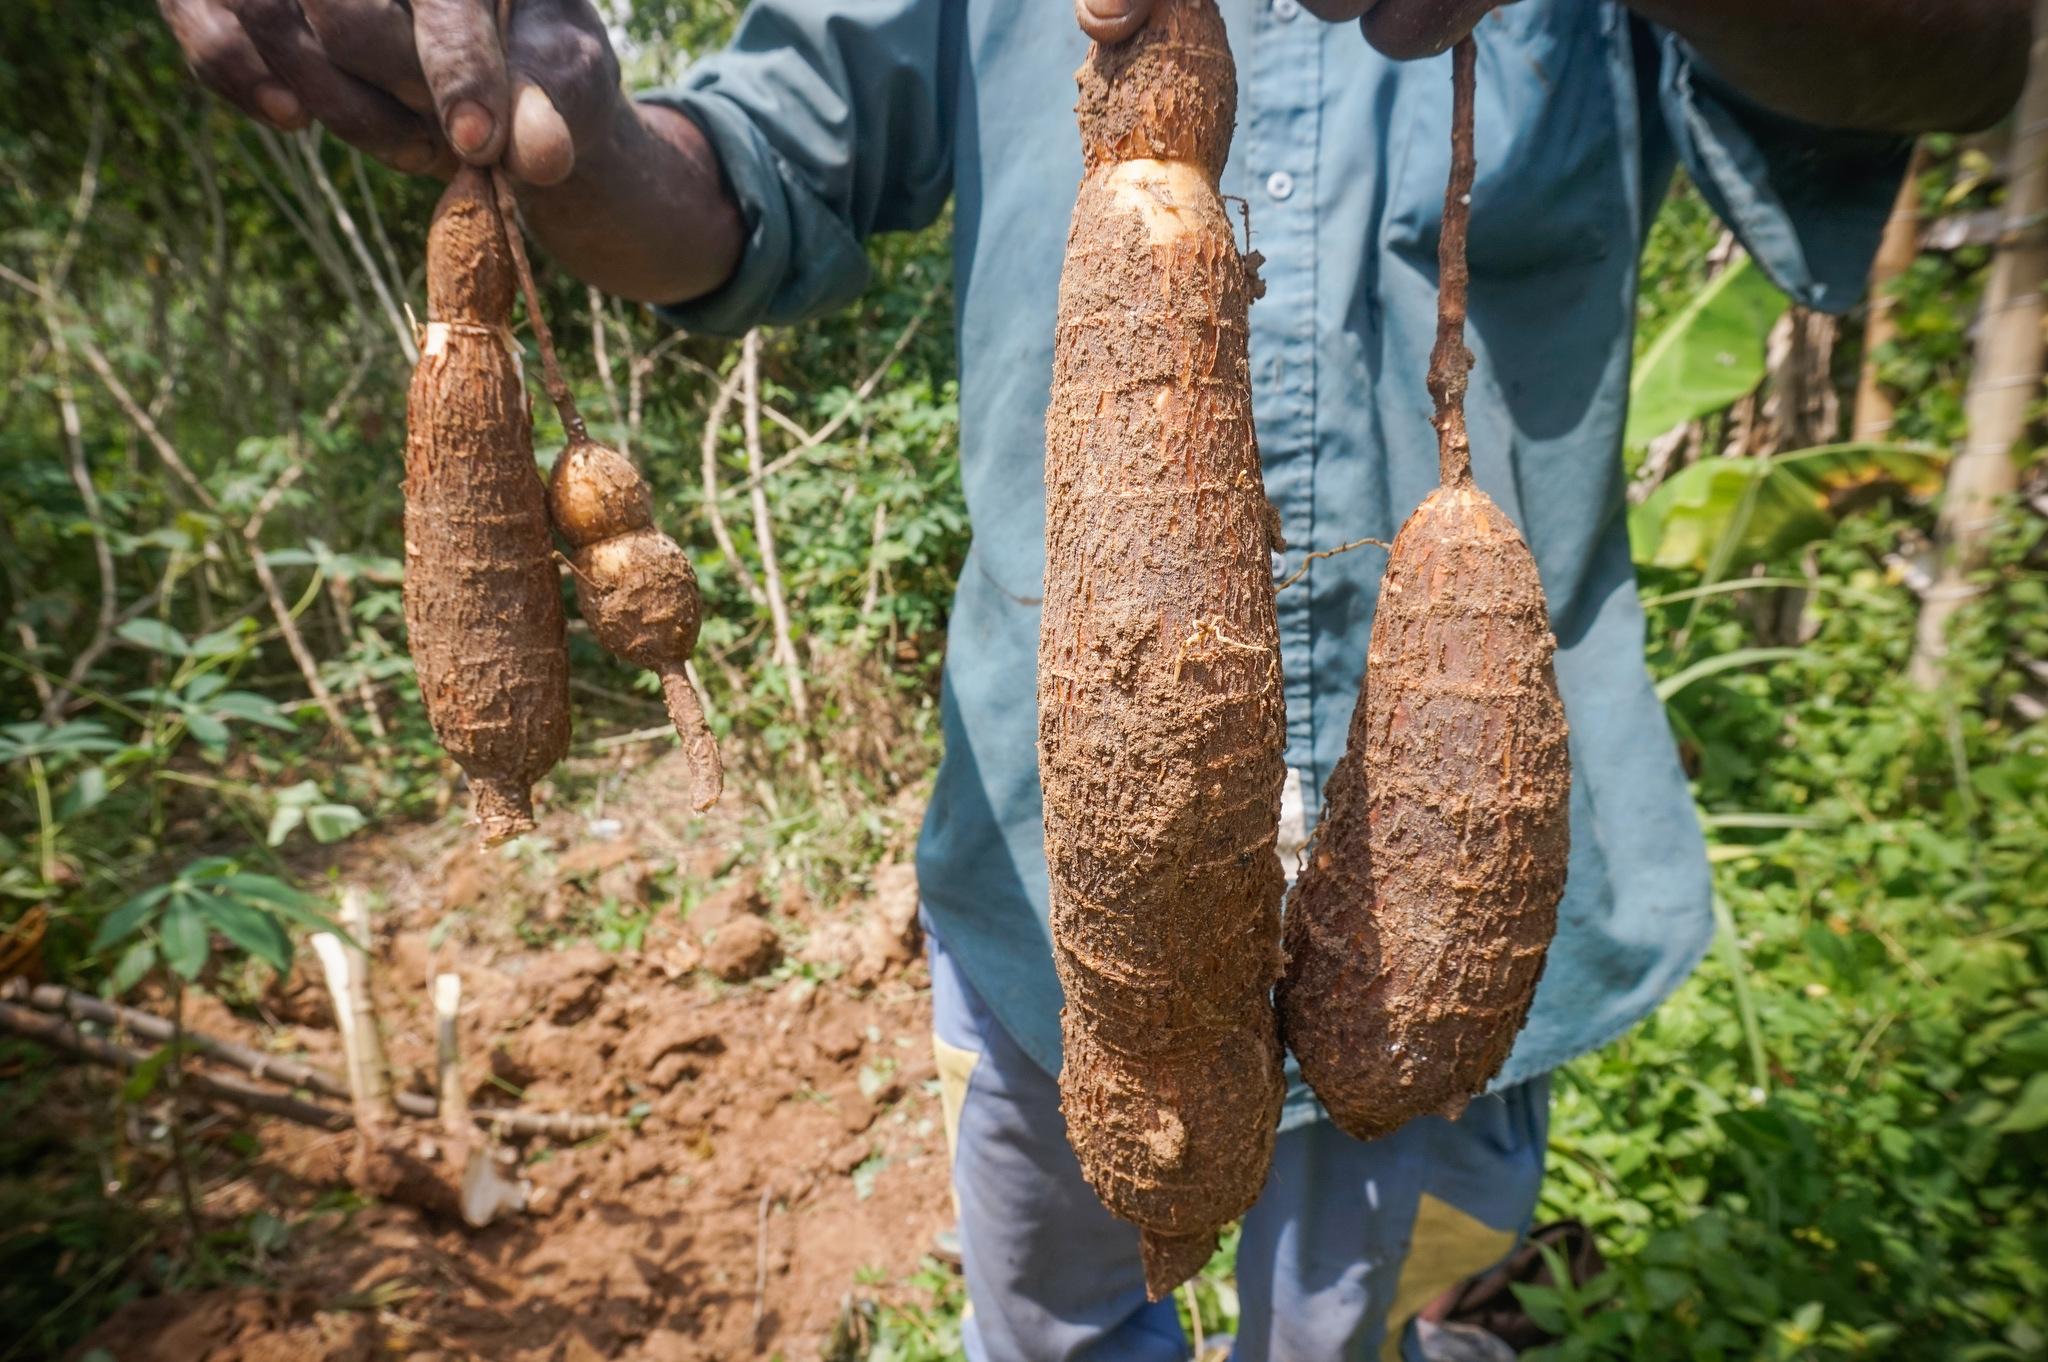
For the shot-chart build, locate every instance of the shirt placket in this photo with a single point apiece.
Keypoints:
(1279, 103)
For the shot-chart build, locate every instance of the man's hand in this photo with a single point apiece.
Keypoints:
(626, 196)
(1403, 29)
(417, 88)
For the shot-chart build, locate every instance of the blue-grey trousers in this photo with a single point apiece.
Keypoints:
(1346, 1242)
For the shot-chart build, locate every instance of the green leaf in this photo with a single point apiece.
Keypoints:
(127, 919)
(1740, 657)
(185, 938)
(2030, 1112)
(220, 643)
(252, 708)
(156, 636)
(143, 1081)
(332, 822)
(284, 821)
(138, 960)
(1710, 355)
(87, 791)
(205, 729)
(254, 930)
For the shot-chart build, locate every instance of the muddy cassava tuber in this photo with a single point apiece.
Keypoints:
(483, 601)
(1417, 930)
(636, 588)
(1159, 699)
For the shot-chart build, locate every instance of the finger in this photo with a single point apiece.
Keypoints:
(459, 51)
(226, 62)
(1408, 29)
(1112, 21)
(541, 150)
(1337, 11)
(372, 39)
(354, 110)
(567, 86)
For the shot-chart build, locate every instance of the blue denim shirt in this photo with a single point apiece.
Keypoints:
(836, 119)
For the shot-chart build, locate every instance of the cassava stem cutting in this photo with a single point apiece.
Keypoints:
(1417, 931)
(1160, 711)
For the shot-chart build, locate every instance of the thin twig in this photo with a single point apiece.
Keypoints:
(116, 389)
(309, 147)
(181, 1159)
(287, 627)
(714, 425)
(600, 354)
(764, 528)
(1450, 364)
(1302, 571)
(761, 1260)
(81, 478)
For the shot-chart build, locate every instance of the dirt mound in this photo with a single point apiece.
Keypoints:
(787, 1149)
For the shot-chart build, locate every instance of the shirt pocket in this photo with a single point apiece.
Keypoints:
(1546, 138)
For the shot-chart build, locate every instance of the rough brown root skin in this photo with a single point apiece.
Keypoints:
(482, 600)
(1417, 931)
(1159, 699)
(502, 810)
(1171, 1260)
(1419, 925)
(700, 747)
(636, 588)
(1169, 93)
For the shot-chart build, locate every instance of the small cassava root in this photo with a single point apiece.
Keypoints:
(1159, 699)
(634, 584)
(483, 603)
(1418, 927)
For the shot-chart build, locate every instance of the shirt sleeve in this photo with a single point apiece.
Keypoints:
(1809, 203)
(831, 121)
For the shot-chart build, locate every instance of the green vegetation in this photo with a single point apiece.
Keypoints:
(1829, 1144)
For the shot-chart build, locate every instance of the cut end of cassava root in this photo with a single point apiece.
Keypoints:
(1419, 926)
(1168, 93)
(1160, 714)
(637, 589)
(482, 599)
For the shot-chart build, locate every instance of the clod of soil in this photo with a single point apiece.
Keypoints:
(744, 948)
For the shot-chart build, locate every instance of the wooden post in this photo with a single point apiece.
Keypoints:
(346, 965)
(2005, 382)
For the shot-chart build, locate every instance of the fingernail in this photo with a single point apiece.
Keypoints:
(470, 126)
(1107, 9)
(279, 105)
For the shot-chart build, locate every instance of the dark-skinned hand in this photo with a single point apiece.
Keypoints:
(1403, 29)
(416, 87)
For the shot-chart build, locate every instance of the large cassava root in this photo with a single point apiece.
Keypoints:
(1160, 712)
(483, 603)
(1418, 927)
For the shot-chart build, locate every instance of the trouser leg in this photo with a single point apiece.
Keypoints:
(1051, 1275)
(1350, 1238)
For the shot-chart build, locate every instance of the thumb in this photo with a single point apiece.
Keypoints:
(1112, 21)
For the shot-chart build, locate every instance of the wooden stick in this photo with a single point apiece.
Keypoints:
(58, 1034)
(75, 1006)
(1450, 364)
(347, 967)
(455, 1117)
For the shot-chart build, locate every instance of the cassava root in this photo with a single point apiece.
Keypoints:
(1159, 697)
(1418, 928)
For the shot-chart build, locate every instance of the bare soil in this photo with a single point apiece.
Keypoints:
(788, 1157)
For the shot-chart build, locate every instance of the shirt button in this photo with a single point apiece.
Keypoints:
(1286, 10)
(1279, 185)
